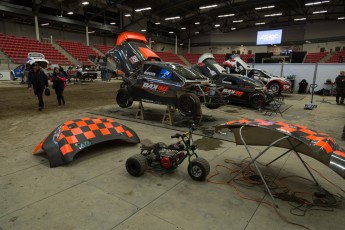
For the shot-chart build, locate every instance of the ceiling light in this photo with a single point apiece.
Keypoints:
(216, 25)
(225, 15)
(197, 23)
(272, 15)
(143, 30)
(237, 21)
(143, 9)
(91, 32)
(112, 23)
(183, 28)
(320, 12)
(341, 18)
(196, 32)
(45, 24)
(264, 7)
(307, 42)
(171, 32)
(316, 3)
(260, 23)
(85, 3)
(172, 18)
(157, 23)
(206, 7)
(300, 19)
(181, 44)
(70, 13)
(127, 15)
(233, 28)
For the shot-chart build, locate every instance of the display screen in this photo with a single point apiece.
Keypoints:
(269, 37)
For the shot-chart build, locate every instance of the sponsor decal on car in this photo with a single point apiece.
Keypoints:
(155, 87)
(233, 92)
(133, 59)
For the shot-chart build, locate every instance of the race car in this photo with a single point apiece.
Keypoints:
(39, 58)
(274, 83)
(148, 79)
(235, 88)
(87, 72)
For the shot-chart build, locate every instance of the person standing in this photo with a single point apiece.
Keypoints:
(38, 81)
(59, 84)
(340, 82)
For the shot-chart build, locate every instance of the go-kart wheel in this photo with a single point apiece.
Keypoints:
(13, 78)
(189, 105)
(215, 102)
(275, 87)
(257, 101)
(136, 165)
(123, 99)
(198, 169)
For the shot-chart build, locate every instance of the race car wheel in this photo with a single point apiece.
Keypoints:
(215, 101)
(123, 99)
(136, 165)
(275, 87)
(257, 101)
(189, 105)
(13, 78)
(198, 169)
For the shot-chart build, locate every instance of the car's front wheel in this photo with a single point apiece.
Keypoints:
(123, 99)
(215, 101)
(13, 78)
(189, 105)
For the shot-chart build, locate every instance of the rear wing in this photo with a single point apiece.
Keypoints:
(131, 51)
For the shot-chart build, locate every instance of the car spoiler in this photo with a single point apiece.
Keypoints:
(131, 51)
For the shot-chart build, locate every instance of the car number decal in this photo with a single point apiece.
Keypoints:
(233, 92)
(154, 87)
(133, 59)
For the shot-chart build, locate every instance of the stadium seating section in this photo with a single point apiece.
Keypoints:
(17, 50)
(78, 50)
(315, 57)
(104, 49)
(335, 57)
(169, 57)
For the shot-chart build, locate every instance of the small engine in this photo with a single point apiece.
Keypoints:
(169, 159)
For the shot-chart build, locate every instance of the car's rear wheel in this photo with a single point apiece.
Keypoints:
(123, 99)
(257, 101)
(275, 87)
(189, 105)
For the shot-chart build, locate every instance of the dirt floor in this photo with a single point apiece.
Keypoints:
(17, 100)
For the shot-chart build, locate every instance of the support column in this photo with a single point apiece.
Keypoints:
(175, 44)
(189, 45)
(150, 41)
(37, 29)
(87, 36)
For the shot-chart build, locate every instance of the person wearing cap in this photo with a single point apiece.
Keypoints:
(38, 81)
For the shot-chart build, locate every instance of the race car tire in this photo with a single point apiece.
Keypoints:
(13, 78)
(257, 101)
(275, 87)
(198, 169)
(189, 105)
(123, 98)
(216, 101)
(136, 165)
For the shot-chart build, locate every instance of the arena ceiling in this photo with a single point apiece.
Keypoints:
(170, 18)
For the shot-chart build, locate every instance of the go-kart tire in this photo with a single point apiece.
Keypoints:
(275, 87)
(198, 169)
(257, 101)
(217, 105)
(13, 78)
(123, 99)
(189, 105)
(136, 165)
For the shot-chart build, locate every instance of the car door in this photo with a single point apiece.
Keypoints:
(19, 71)
(156, 84)
(233, 88)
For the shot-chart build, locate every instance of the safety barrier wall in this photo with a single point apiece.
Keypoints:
(305, 71)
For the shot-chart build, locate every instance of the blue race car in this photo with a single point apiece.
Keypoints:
(18, 72)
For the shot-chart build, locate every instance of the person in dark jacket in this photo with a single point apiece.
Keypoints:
(38, 81)
(340, 82)
(59, 83)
